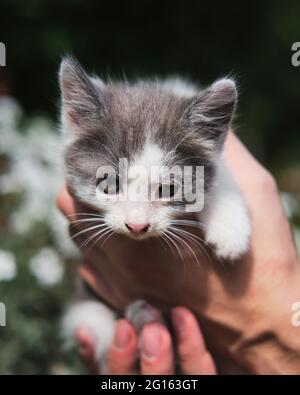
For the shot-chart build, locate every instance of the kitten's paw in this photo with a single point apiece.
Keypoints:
(140, 313)
(229, 243)
(229, 249)
(99, 321)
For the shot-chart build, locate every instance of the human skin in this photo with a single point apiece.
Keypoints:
(244, 308)
(156, 348)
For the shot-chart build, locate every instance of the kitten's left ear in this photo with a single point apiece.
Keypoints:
(210, 113)
(82, 98)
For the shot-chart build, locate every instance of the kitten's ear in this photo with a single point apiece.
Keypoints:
(210, 113)
(82, 99)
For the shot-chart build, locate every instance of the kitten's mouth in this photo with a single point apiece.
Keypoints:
(141, 236)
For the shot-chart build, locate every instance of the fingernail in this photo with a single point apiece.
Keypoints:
(151, 341)
(122, 335)
(178, 322)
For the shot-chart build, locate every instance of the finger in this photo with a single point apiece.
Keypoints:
(241, 161)
(263, 201)
(65, 202)
(156, 350)
(193, 355)
(87, 349)
(252, 177)
(123, 353)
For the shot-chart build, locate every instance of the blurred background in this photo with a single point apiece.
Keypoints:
(200, 40)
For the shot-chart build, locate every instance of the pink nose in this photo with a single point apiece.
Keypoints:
(137, 228)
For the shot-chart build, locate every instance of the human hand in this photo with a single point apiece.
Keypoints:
(156, 349)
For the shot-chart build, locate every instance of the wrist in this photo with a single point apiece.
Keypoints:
(272, 343)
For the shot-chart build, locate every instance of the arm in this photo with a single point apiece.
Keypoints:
(270, 343)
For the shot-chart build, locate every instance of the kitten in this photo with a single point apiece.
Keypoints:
(153, 125)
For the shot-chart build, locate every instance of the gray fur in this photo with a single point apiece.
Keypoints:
(107, 121)
(114, 119)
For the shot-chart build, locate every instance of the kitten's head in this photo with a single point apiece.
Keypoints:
(125, 142)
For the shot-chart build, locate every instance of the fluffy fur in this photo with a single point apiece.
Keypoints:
(151, 123)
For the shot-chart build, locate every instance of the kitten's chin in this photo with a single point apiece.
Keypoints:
(142, 236)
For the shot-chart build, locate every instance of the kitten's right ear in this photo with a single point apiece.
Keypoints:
(82, 99)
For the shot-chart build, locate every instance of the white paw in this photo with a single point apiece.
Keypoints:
(96, 318)
(230, 241)
(227, 219)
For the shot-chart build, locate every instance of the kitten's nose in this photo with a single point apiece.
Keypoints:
(137, 228)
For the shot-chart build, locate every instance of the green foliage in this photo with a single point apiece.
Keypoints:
(202, 40)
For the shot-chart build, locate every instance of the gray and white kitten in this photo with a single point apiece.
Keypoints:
(151, 124)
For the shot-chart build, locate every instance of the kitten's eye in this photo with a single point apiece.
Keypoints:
(117, 184)
(110, 185)
(166, 191)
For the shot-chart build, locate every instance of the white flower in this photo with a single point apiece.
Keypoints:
(10, 112)
(8, 267)
(47, 267)
(35, 171)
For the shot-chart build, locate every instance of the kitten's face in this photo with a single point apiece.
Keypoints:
(127, 147)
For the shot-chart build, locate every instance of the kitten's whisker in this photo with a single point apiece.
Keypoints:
(109, 236)
(90, 238)
(85, 214)
(187, 245)
(180, 254)
(107, 231)
(87, 230)
(184, 237)
(100, 233)
(201, 240)
(194, 238)
(79, 221)
(192, 235)
(71, 238)
(173, 242)
(193, 243)
(162, 237)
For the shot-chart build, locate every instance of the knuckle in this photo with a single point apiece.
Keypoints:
(186, 354)
(267, 182)
(59, 201)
